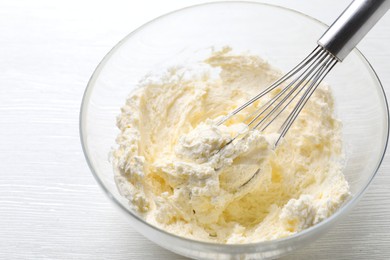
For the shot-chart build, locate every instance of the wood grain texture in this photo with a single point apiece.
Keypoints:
(50, 205)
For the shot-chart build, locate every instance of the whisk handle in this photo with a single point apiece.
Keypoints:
(352, 25)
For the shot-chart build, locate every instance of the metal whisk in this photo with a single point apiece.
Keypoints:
(300, 83)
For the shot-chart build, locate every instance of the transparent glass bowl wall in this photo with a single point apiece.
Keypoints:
(281, 36)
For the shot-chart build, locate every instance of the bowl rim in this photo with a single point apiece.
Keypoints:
(219, 247)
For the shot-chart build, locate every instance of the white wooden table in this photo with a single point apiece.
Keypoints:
(50, 205)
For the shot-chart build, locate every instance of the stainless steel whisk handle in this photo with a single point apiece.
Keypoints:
(352, 25)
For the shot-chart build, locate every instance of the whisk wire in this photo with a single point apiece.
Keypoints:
(309, 74)
(325, 69)
(305, 74)
(274, 85)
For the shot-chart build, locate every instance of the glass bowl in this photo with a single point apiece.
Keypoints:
(281, 36)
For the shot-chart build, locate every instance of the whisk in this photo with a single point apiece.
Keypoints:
(299, 84)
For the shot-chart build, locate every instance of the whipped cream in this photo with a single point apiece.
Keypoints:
(180, 172)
